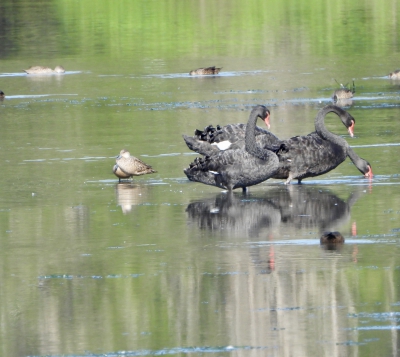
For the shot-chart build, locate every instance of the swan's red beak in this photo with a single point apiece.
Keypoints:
(369, 174)
(266, 121)
(351, 128)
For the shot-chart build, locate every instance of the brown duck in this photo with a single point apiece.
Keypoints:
(331, 238)
(44, 70)
(343, 92)
(205, 71)
(127, 166)
(395, 74)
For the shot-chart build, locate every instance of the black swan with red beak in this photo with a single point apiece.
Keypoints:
(237, 168)
(299, 157)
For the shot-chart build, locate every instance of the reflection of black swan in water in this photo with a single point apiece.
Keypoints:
(319, 152)
(300, 156)
(232, 169)
(234, 214)
(301, 207)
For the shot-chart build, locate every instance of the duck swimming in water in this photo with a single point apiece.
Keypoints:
(395, 74)
(44, 70)
(205, 71)
(343, 92)
(331, 238)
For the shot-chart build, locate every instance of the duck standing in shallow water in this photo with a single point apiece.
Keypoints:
(205, 71)
(395, 74)
(127, 166)
(44, 70)
(343, 92)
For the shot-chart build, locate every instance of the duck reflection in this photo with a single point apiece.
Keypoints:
(345, 102)
(129, 194)
(44, 78)
(294, 207)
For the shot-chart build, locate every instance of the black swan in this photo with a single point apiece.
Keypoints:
(231, 169)
(127, 166)
(319, 152)
(212, 140)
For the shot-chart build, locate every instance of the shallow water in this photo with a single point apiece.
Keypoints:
(164, 266)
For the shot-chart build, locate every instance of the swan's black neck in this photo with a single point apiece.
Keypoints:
(321, 129)
(250, 137)
(362, 165)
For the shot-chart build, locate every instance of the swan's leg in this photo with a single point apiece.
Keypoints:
(290, 177)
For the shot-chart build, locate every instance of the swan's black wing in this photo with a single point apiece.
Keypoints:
(308, 156)
(232, 169)
(231, 136)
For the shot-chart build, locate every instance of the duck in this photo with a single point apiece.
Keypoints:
(296, 155)
(395, 74)
(331, 238)
(128, 166)
(205, 71)
(343, 92)
(237, 168)
(2, 95)
(44, 70)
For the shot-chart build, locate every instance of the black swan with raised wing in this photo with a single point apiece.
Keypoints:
(231, 169)
(211, 140)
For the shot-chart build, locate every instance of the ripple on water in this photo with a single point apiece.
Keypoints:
(172, 351)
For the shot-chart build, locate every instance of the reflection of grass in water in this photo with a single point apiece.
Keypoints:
(103, 28)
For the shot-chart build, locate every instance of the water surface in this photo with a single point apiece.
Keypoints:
(161, 265)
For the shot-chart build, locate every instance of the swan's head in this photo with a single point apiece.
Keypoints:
(350, 128)
(348, 121)
(266, 119)
(264, 114)
(368, 170)
(364, 167)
